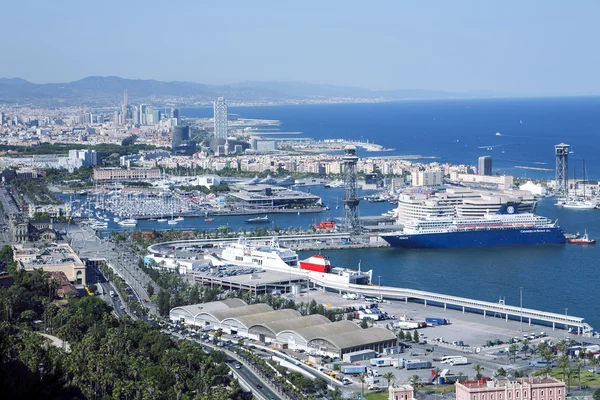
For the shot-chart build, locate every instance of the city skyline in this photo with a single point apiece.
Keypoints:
(513, 49)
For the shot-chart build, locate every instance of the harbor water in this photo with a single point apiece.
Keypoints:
(553, 277)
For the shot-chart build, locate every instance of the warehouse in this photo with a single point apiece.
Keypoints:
(190, 314)
(286, 326)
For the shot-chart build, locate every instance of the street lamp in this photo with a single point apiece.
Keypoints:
(379, 278)
(521, 296)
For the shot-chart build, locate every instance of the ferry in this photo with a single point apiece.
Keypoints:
(258, 220)
(504, 228)
(128, 222)
(275, 258)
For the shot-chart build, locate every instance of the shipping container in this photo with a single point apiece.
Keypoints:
(417, 364)
(353, 369)
(437, 321)
(381, 362)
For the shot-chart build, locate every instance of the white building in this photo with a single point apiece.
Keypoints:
(89, 158)
(503, 181)
(220, 118)
(428, 177)
(534, 188)
(208, 181)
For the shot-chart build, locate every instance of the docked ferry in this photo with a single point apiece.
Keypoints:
(504, 228)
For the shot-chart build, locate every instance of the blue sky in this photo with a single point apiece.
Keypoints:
(506, 47)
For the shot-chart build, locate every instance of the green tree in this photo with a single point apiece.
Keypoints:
(416, 337)
(564, 364)
(501, 372)
(415, 383)
(594, 362)
(389, 376)
(164, 303)
(401, 335)
(150, 289)
(364, 324)
(512, 351)
(596, 395)
(478, 368)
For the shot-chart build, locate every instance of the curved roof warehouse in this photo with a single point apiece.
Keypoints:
(286, 326)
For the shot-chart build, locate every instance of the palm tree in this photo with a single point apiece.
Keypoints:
(512, 351)
(362, 380)
(388, 376)
(414, 381)
(594, 362)
(478, 368)
(565, 365)
(525, 347)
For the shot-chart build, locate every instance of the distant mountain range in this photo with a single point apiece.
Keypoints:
(108, 91)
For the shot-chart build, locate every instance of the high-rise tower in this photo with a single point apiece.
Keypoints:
(562, 169)
(220, 119)
(350, 201)
(124, 109)
(484, 165)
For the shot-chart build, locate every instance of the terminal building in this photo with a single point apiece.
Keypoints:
(270, 196)
(285, 326)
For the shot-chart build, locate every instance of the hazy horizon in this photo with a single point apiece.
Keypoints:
(533, 49)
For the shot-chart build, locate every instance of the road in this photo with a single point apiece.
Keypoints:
(250, 377)
(125, 264)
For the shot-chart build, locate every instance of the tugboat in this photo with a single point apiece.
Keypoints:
(582, 240)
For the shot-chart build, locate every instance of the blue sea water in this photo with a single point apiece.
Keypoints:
(456, 131)
(553, 277)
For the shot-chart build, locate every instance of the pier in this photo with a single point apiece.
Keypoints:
(486, 308)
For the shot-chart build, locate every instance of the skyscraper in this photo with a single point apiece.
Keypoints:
(181, 134)
(124, 109)
(220, 119)
(484, 165)
(175, 114)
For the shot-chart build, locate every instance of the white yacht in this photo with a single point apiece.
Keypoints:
(128, 222)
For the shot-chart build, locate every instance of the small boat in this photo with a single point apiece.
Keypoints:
(209, 220)
(161, 220)
(582, 240)
(258, 220)
(179, 219)
(172, 222)
(128, 222)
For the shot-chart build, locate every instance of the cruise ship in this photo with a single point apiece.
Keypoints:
(459, 203)
(506, 227)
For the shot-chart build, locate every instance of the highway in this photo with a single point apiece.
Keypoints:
(258, 385)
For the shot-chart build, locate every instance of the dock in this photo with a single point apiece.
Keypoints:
(485, 308)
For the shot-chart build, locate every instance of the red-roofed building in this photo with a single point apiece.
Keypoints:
(65, 288)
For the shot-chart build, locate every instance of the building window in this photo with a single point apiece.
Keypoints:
(542, 393)
(474, 397)
(500, 396)
(509, 395)
(491, 397)
(483, 397)
(559, 391)
(524, 394)
(550, 393)
(517, 394)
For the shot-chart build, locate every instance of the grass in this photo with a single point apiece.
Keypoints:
(587, 378)
(440, 389)
(377, 396)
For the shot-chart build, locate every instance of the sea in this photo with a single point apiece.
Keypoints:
(515, 132)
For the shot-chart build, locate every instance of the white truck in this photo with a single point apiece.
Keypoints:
(112, 293)
(458, 361)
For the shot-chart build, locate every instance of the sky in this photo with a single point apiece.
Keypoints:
(525, 48)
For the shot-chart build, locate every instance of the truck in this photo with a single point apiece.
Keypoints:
(353, 369)
(408, 325)
(437, 321)
(381, 362)
(458, 361)
(417, 364)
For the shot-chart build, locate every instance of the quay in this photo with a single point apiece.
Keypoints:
(317, 279)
